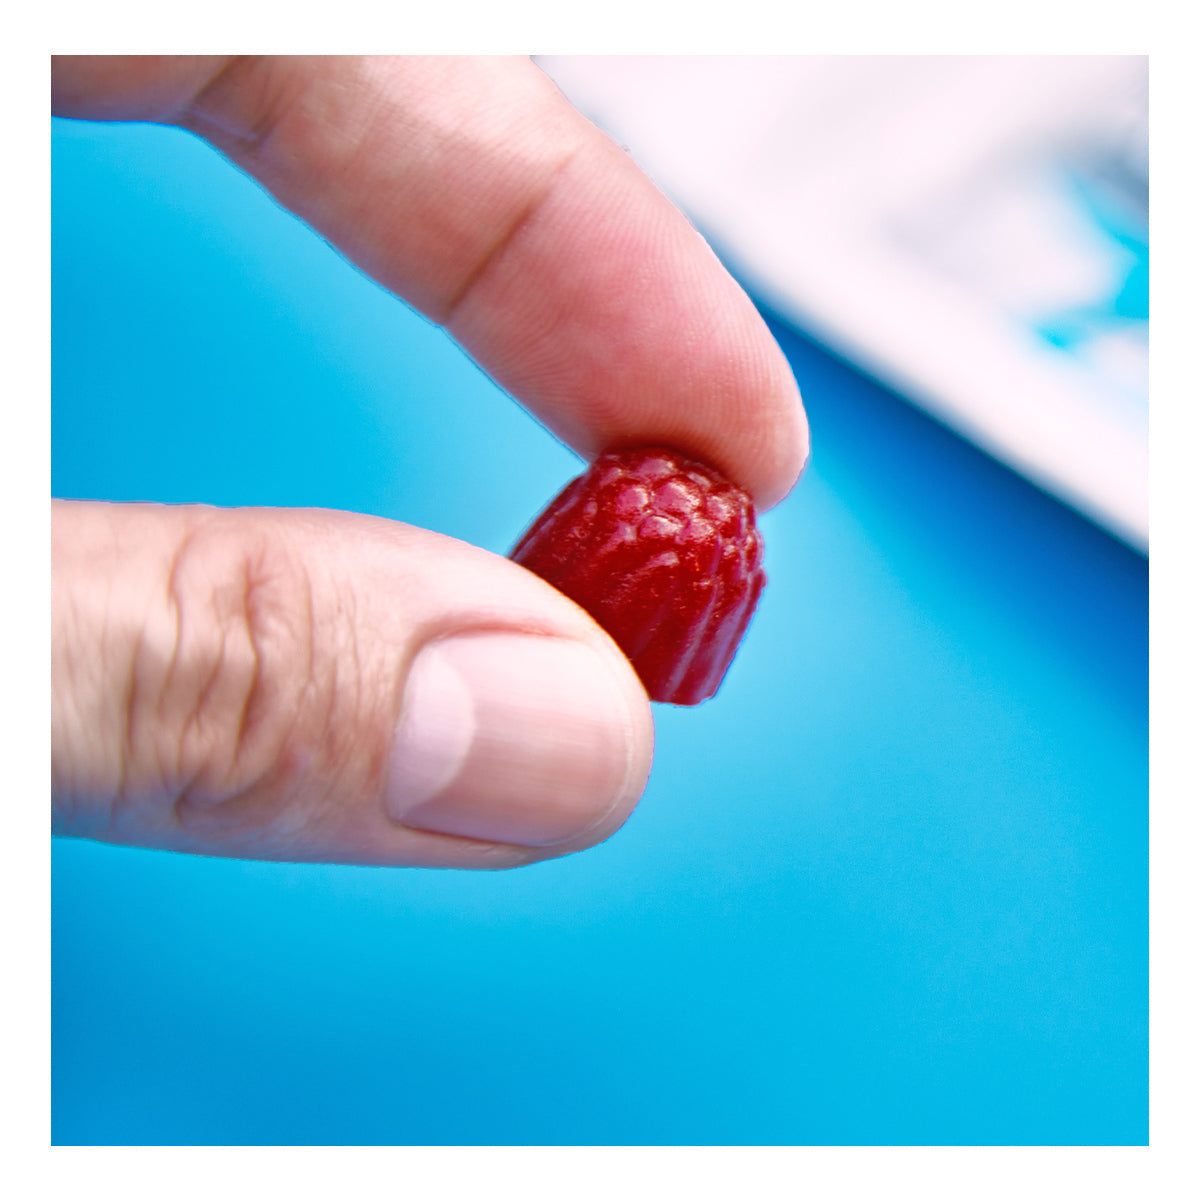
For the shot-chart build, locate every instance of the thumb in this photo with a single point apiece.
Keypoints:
(311, 685)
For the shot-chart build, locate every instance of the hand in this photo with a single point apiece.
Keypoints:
(325, 686)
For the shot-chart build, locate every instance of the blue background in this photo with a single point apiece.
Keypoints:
(889, 887)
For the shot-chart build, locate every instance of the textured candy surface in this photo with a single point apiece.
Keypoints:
(664, 553)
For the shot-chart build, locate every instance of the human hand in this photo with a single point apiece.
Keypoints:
(312, 685)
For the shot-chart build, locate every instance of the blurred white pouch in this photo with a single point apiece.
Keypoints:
(969, 229)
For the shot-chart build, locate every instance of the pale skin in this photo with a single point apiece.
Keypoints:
(323, 686)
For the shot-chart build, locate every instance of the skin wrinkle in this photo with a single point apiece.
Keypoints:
(252, 691)
(305, 725)
(125, 747)
(306, 720)
(318, 731)
(125, 707)
(194, 114)
(495, 251)
(195, 784)
(184, 779)
(192, 726)
(178, 114)
(323, 693)
(257, 707)
(325, 696)
(175, 609)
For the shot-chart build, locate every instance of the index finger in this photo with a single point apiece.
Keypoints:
(474, 190)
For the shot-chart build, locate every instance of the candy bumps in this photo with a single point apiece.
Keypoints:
(665, 555)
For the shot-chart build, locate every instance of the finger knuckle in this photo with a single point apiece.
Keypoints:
(240, 678)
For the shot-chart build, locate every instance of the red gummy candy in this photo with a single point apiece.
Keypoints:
(664, 554)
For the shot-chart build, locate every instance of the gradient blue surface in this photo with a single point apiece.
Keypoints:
(889, 887)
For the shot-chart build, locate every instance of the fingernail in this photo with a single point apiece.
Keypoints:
(510, 738)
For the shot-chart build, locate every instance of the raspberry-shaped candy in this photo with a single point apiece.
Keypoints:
(663, 552)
